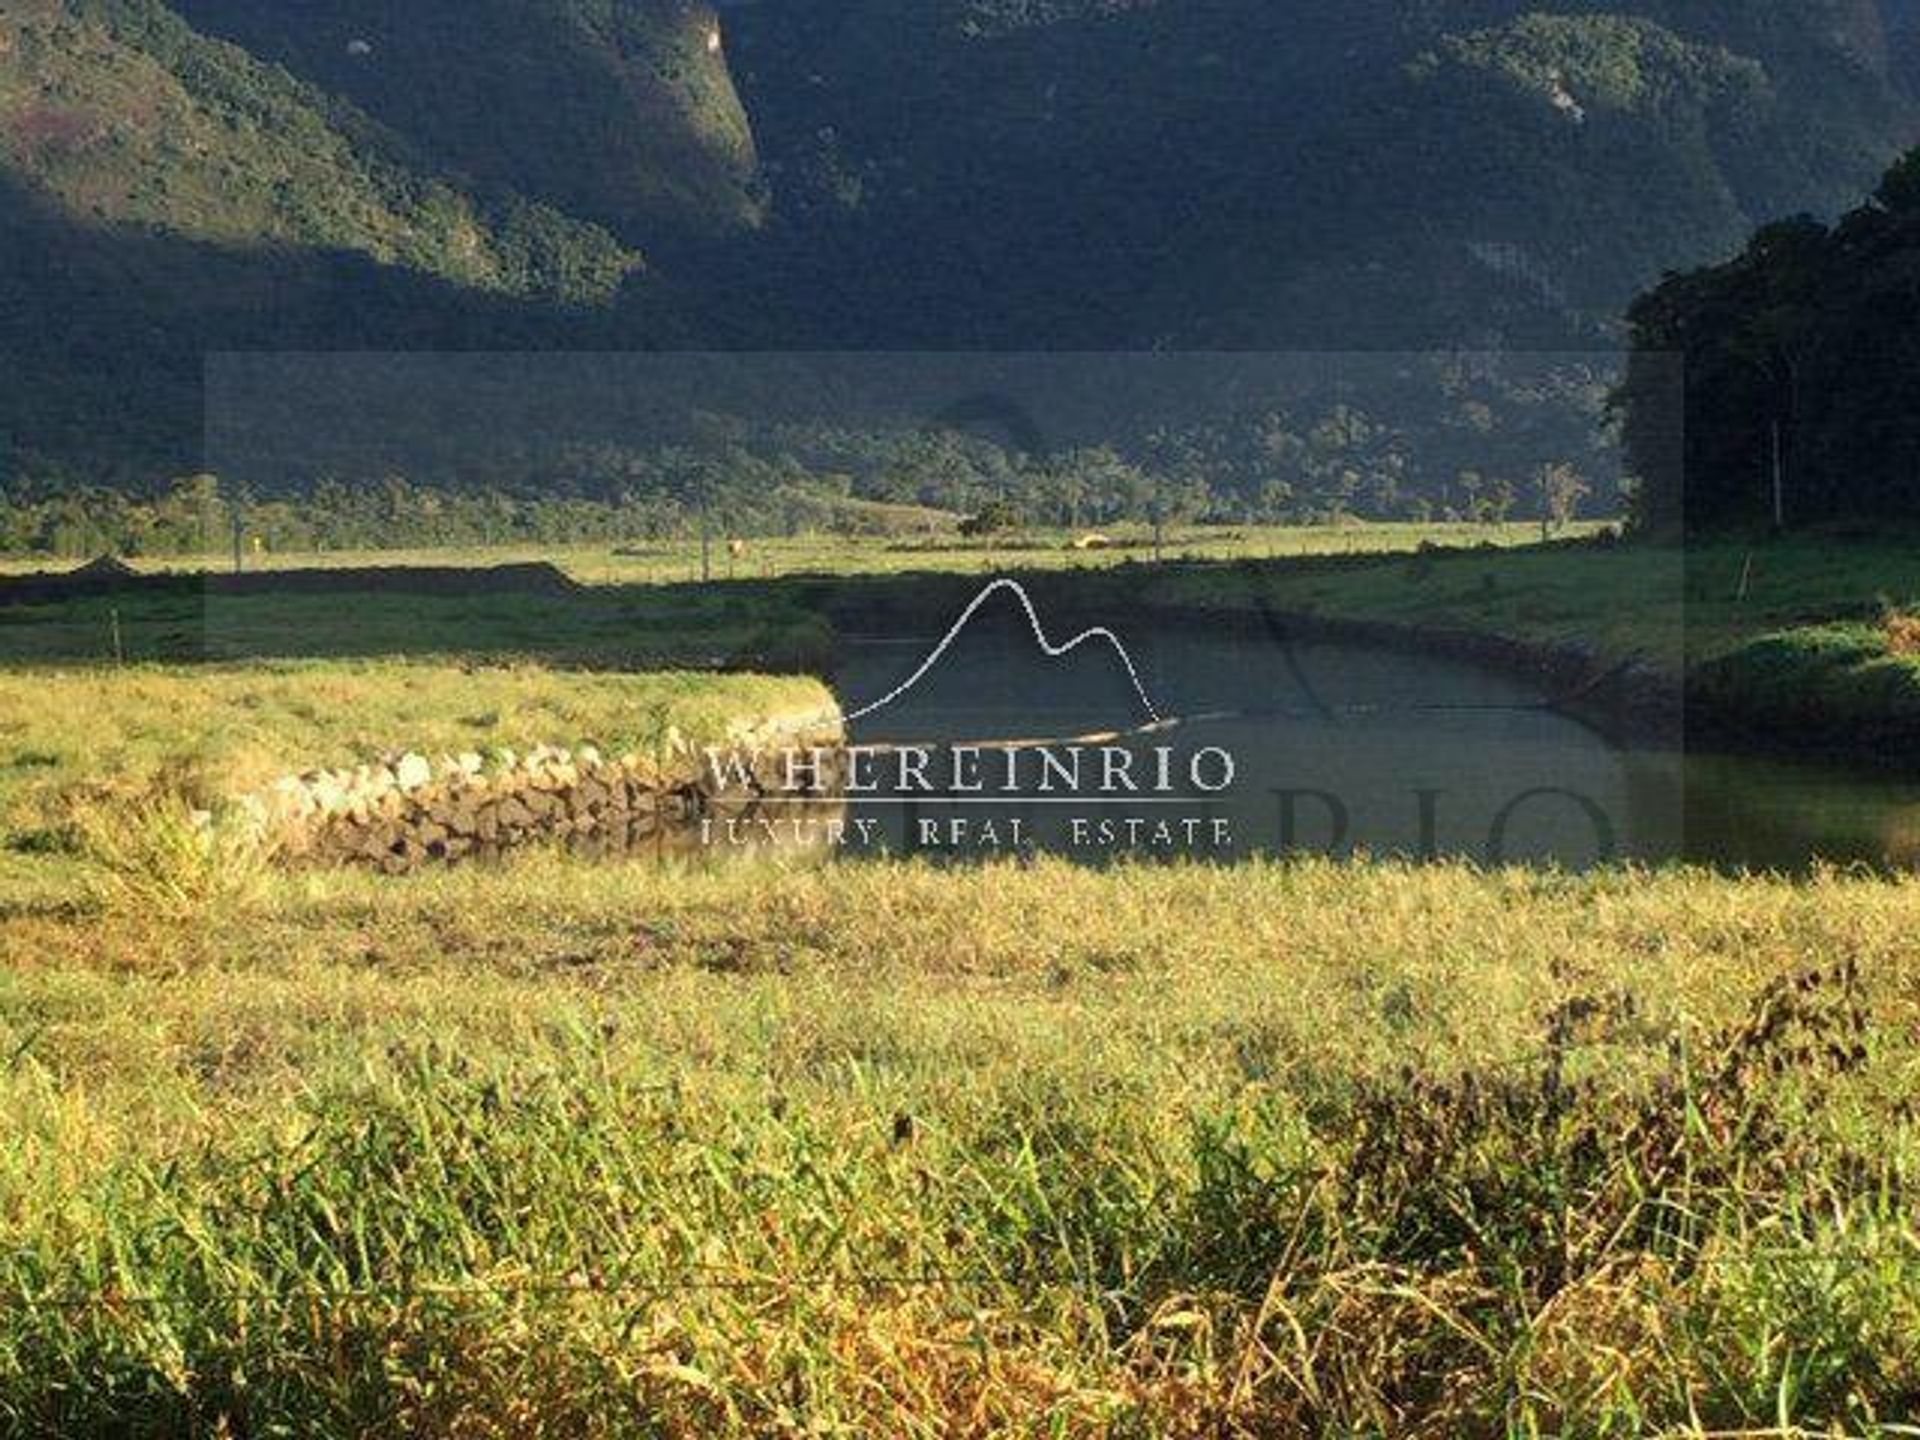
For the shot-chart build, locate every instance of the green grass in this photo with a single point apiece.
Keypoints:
(133, 739)
(1842, 680)
(1663, 604)
(1788, 639)
(1655, 602)
(629, 628)
(1794, 640)
(572, 1150)
(677, 560)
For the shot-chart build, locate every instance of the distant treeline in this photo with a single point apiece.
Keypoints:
(1800, 357)
(737, 496)
(402, 453)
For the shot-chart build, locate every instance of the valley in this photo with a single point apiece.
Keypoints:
(1106, 719)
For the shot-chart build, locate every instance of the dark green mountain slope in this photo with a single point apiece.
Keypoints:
(178, 176)
(163, 195)
(104, 333)
(1310, 172)
(621, 112)
(120, 114)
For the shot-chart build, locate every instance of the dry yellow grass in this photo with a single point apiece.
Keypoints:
(889, 1150)
(1903, 634)
(139, 743)
(883, 1149)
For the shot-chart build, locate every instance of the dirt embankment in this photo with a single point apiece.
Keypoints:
(106, 577)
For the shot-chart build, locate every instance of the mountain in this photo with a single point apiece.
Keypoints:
(117, 113)
(164, 194)
(1306, 173)
(624, 114)
(186, 176)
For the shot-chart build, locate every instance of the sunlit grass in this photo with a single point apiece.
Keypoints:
(108, 749)
(677, 559)
(883, 1149)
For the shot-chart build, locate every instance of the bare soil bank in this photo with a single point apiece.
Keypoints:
(97, 579)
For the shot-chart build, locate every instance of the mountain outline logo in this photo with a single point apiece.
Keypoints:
(1008, 585)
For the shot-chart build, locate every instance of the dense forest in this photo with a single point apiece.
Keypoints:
(1286, 173)
(353, 451)
(1801, 359)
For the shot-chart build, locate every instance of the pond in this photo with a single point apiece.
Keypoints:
(1267, 747)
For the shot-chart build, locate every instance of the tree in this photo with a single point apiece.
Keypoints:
(1561, 491)
(1900, 187)
(1777, 388)
(1113, 487)
(1497, 502)
(991, 519)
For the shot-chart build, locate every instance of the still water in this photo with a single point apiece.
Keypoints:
(1307, 747)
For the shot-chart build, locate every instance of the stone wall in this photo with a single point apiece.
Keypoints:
(408, 811)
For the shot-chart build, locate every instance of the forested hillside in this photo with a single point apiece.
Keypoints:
(118, 113)
(618, 112)
(179, 177)
(1800, 356)
(163, 195)
(1316, 172)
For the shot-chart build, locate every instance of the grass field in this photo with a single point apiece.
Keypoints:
(625, 628)
(562, 1149)
(630, 613)
(134, 746)
(678, 560)
(887, 1151)
(1666, 605)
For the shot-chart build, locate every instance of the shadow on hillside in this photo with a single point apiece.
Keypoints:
(106, 329)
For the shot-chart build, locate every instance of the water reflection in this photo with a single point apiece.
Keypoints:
(1338, 750)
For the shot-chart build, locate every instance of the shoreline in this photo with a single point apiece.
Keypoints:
(1627, 700)
(1801, 671)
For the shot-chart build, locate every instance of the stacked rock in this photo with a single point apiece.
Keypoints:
(408, 811)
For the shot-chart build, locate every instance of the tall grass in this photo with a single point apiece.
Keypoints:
(155, 853)
(888, 1151)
